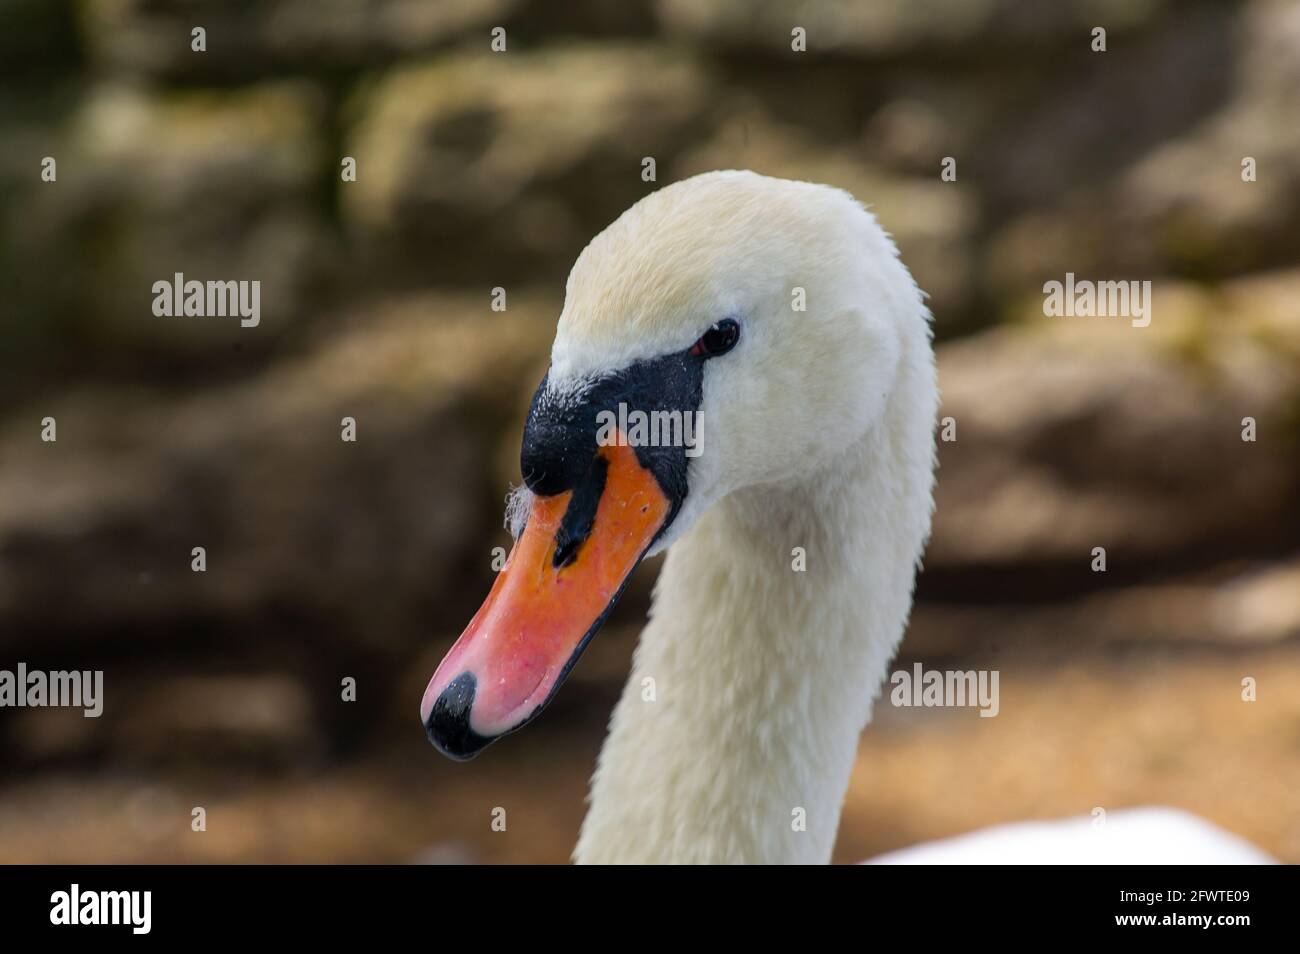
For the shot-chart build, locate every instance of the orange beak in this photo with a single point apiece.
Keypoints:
(554, 592)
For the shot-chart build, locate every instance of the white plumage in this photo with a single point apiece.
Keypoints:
(736, 732)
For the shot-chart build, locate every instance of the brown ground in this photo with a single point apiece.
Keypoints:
(1107, 728)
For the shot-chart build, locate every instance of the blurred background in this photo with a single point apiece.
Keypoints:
(328, 560)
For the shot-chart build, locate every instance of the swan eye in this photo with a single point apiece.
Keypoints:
(719, 339)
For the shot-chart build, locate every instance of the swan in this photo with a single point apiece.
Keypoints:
(777, 317)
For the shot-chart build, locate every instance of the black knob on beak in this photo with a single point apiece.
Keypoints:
(559, 442)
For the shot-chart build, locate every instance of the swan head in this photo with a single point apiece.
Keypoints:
(727, 331)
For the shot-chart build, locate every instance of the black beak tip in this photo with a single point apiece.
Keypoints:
(448, 725)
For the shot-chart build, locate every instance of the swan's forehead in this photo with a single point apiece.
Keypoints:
(640, 292)
(679, 260)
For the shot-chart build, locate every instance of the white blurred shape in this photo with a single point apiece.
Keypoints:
(1128, 837)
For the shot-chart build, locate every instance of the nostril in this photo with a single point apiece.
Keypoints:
(448, 725)
(580, 515)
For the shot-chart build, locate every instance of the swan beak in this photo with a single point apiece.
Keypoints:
(565, 572)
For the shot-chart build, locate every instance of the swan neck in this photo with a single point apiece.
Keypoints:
(771, 631)
(772, 628)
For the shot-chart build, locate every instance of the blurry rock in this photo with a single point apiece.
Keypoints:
(37, 36)
(1081, 119)
(448, 853)
(1263, 606)
(915, 133)
(484, 167)
(539, 19)
(1239, 609)
(1266, 307)
(246, 41)
(895, 27)
(1180, 205)
(1191, 192)
(267, 719)
(162, 717)
(331, 546)
(217, 186)
(1085, 432)
(152, 813)
(49, 735)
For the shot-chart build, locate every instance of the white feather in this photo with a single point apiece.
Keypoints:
(518, 502)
